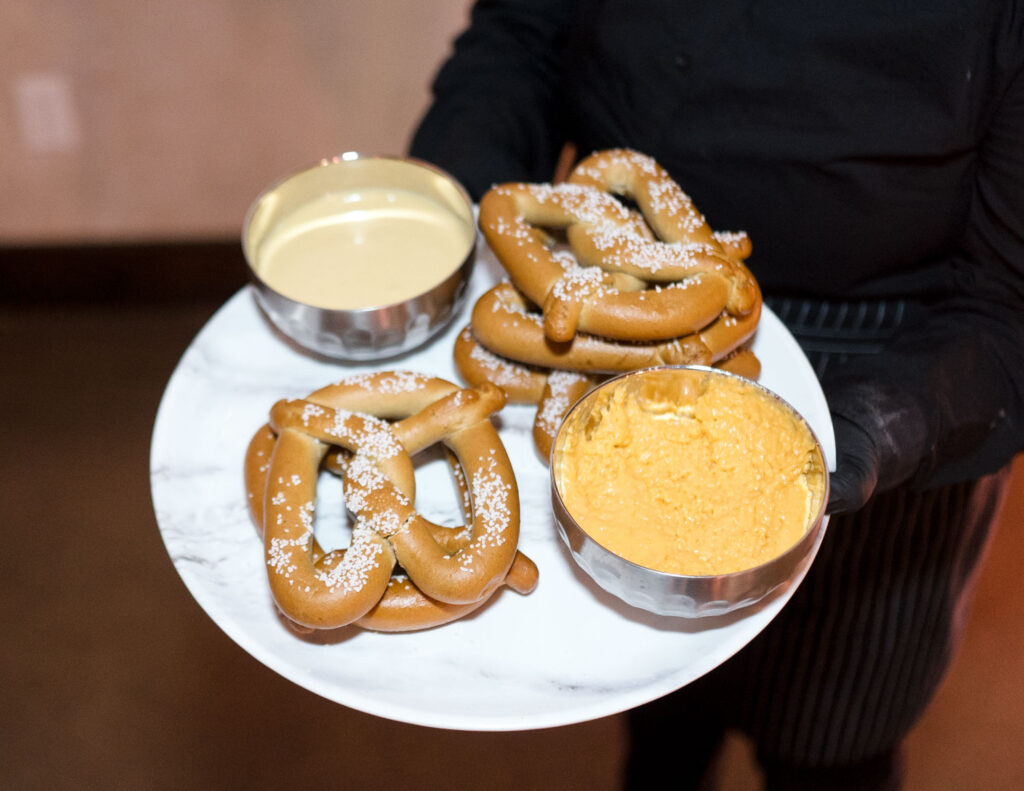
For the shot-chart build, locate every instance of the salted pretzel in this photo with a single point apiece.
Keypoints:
(504, 322)
(553, 390)
(628, 284)
(366, 427)
(669, 212)
(505, 345)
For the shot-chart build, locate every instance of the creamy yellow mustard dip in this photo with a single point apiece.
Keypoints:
(364, 248)
(698, 480)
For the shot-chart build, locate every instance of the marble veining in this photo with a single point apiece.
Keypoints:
(566, 653)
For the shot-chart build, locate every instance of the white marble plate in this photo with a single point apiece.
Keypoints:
(567, 653)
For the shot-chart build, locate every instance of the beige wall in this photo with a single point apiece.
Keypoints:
(138, 119)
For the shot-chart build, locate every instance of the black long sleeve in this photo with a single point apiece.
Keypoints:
(869, 150)
(963, 362)
(497, 114)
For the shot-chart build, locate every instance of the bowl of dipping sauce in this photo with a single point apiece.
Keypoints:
(688, 491)
(361, 257)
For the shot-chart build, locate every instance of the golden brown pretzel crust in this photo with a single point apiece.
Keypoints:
(666, 208)
(553, 390)
(728, 332)
(630, 283)
(523, 384)
(447, 572)
(742, 362)
(626, 290)
(615, 304)
(562, 390)
(503, 322)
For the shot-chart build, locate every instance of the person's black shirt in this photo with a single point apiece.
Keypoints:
(869, 149)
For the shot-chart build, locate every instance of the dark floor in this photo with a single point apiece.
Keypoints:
(112, 677)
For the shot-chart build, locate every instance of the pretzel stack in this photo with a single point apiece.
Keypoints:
(599, 288)
(400, 572)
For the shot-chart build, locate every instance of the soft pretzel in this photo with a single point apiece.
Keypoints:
(506, 346)
(742, 362)
(503, 321)
(631, 286)
(554, 391)
(669, 211)
(632, 289)
(476, 364)
(616, 304)
(447, 571)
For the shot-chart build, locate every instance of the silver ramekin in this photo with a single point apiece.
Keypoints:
(368, 333)
(677, 594)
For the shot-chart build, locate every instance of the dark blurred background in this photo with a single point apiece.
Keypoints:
(133, 136)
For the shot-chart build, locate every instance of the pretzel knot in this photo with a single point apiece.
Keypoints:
(366, 428)
(656, 275)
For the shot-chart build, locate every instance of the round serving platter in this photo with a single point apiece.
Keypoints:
(567, 653)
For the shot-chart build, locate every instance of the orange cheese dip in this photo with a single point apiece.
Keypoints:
(699, 479)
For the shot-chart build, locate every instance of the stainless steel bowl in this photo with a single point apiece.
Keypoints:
(678, 594)
(377, 331)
